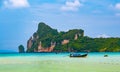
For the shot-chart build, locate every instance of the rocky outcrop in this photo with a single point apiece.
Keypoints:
(21, 49)
(45, 39)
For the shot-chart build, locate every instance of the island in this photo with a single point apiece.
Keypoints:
(47, 39)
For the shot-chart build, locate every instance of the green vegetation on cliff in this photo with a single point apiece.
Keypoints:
(77, 41)
(46, 34)
(96, 44)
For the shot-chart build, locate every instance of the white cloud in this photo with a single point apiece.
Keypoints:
(71, 6)
(16, 3)
(116, 9)
(103, 36)
(117, 6)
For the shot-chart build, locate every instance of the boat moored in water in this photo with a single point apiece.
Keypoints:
(78, 55)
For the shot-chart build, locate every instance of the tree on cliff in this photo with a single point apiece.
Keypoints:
(21, 49)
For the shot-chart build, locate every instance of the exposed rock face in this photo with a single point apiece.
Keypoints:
(76, 37)
(49, 49)
(29, 43)
(65, 42)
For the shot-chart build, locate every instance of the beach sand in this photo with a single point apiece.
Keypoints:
(59, 64)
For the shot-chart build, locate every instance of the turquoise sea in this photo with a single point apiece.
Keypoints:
(61, 62)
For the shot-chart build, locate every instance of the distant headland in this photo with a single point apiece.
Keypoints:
(47, 39)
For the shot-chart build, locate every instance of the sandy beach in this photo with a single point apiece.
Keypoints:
(59, 64)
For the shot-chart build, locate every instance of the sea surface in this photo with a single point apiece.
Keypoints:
(60, 62)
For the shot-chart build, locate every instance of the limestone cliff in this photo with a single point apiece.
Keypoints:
(46, 39)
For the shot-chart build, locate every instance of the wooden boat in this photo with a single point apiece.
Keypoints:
(78, 55)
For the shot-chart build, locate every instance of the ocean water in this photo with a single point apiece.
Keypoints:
(61, 62)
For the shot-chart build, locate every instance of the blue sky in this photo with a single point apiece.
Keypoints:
(19, 18)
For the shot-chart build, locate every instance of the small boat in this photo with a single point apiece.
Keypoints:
(78, 55)
(106, 55)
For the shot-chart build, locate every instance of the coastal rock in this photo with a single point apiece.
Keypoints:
(21, 49)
